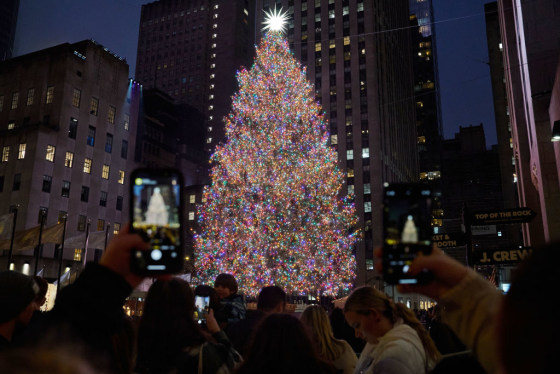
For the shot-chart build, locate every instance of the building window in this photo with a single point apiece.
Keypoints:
(350, 189)
(116, 228)
(47, 183)
(121, 177)
(192, 199)
(87, 165)
(109, 143)
(105, 172)
(91, 136)
(76, 97)
(5, 153)
(94, 106)
(73, 128)
(69, 159)
(15, 99)
(124, 149)
(367, 207)
(82, 223)
(365, 152)
(61, 216)
(191, 216)
(126, 122)
(65, 192)
(111, 114)
(103, 198)
(17, 182)
(11, 125)
(21, 152)
(50, 95)
(350, 154)
(119, 203)
(84, 194)
(49, 156)
(78, 253)
(367, 188)
(100, 224)
(30, 96)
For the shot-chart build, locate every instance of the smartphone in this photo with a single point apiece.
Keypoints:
(156, 206)
(202, 305)
(407, 216)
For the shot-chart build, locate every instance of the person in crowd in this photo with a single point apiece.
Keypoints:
(41, 297)
(342, 330)
(445, 339)
(271, 299)
(339, 352)
(17, 293)
(233, 304)
(281, 344)
(396, 341)
(52, 359)
(215, 304)
(170, 340)
(37, 318)
(508, 333)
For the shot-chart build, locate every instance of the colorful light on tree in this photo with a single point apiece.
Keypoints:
(273, 213)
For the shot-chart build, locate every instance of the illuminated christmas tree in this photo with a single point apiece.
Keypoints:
(273, 214)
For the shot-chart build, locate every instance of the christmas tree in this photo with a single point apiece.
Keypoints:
(273, 214)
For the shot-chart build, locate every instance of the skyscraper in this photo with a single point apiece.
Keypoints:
(358, 55)
(8, 19)
(191, 50)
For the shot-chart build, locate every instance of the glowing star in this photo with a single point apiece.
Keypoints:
(275, 21)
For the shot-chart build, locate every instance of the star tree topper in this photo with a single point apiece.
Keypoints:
(275, 21)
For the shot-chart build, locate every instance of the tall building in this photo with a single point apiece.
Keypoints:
(68, 119)
(530, 35)
(358, 55)
(8, 19)
(192, 49)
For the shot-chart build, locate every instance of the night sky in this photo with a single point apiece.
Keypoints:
(460, 28)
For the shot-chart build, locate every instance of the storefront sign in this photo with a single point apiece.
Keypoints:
(503, 256)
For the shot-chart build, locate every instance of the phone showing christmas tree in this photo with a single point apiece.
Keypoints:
(407, 230)
(156, 212)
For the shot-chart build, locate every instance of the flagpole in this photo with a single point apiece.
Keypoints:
(86, 245)
(61, 253)
(11, 251)
(38, 249)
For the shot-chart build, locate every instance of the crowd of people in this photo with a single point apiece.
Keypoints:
(88, 332)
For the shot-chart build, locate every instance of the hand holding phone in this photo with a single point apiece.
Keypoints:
(202, 306)
(406, 230)
(156, 202)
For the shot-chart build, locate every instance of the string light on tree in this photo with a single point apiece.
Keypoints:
(273, 214)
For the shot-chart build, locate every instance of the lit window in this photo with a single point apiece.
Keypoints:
(210, 107)
(212, 76)
(365, 152)
(105, 172)
(121, 177)
(214, 36)
(78, 254)
(213, 45)
(346, 40)
(87, 165)
(82, 223)
(100, 224)
(69, 159)
(350, 173)
(11, 125)
(210, 97)
(334, 139)
(317, 47)
(208, 140)
(50, 95)
(191, 216)
(350, 154)
(30, 96)
(192, 199)
(49, 156)
(5, 153)
(350, 189)
(21, 153)
(91, 136)
(76, 97)
(116, 228)
(111, 114)
(126, 123)
(367, 188)
(94, 106)
(212, 66)
(15, 99)
(367, 206)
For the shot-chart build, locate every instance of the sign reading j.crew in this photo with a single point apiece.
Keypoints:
(501, 256)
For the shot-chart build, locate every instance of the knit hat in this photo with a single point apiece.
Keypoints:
(17, 291)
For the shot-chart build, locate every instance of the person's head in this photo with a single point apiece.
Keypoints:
(206, 290)
(271, 299)
(17, 295)
(372, 314)
(528, 327)
(225, 285)
(316, 319)
(281, 344)
(167, 325)
(41, 297)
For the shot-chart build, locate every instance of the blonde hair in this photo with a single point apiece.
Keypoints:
(362, 299)
(316, 319)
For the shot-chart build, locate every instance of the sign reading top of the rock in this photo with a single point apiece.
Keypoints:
(492, 217)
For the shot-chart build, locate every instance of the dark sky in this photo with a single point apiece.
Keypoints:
(461, 43)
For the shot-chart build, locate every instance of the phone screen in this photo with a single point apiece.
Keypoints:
(202, 304)
(407, 229)
(156, 211)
